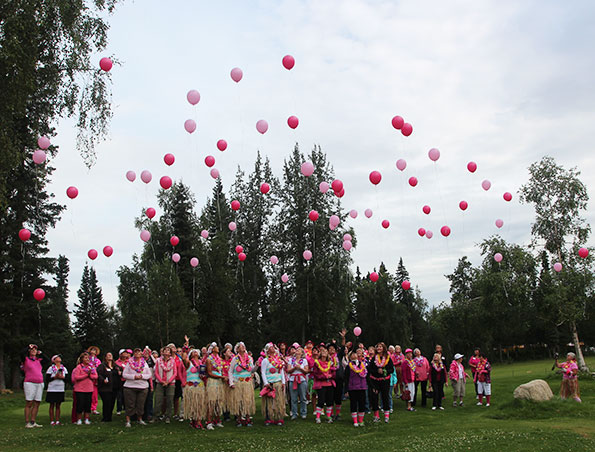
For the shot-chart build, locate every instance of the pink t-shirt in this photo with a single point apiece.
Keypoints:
(32, 369)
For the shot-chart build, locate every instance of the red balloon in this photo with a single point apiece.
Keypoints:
(222, 145)
(426, 209)
(105, 64)
(313, 215)
(293, 122)
(239, 249)
(150, 212)
(337, 185)
(108, 251)
(209, 160)
(39, 294)
(264, 188)
(413, 181)
(174, 240)
(583, 252)
(235, 205)
(165, 182)
(398, 122)
(445, 231)
(463, 205)
(24, 234)
(472, 167)
(385, 224)
(92, 254)
(169, 159)
(242, 257)
(507, 196)
(341, 193)
(374, 276)
(407, 129)
(406, 285)
(421, 232)
(375, 177)
(288, 62)
(72, 192)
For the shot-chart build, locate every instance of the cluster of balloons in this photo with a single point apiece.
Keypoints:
(399, 124)
(107, 252)
(347, 244)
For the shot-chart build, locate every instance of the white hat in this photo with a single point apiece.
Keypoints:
(458, 356)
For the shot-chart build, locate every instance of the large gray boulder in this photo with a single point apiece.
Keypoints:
(537, 390)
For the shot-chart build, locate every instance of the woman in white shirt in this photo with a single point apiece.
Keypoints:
(297, 370)
(55, 376)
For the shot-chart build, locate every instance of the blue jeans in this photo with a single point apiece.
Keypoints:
(301, 393)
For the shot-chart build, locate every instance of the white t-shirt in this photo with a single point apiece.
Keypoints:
(460, 371)
(56, 385)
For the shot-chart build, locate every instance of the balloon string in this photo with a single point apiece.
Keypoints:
(39, 322)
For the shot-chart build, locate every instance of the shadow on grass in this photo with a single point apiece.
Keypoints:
(555, 408)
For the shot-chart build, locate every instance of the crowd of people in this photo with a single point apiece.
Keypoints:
(209, 385)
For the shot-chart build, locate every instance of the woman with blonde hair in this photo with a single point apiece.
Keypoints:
(195, 394)
(241, 403)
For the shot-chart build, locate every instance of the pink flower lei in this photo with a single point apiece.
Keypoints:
(137, 366)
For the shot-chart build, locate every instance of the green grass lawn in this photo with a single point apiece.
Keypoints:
(507, 425)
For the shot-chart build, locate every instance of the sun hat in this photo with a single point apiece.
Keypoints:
(458, 356)
(56, 356)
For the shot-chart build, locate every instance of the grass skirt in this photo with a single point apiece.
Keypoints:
(274, 408)
(215, 396)
(195, 402)
(241, 402)
(569, 388)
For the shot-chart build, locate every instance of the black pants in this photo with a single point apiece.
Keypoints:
(357, 400)
(424, 386)
(120, 399)
(338, 393)
(83, 402)
(380, 388)
(325, 396)
(107, 399)
(438, 389)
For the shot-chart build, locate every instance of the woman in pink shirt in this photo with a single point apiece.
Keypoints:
(84, 377)
(33, 384)
(422, 371)
(165, 374)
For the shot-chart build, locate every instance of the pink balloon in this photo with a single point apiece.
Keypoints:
(262, 126)
(385, 224)
(175, 257)
(92, 253)
(39, 294)
(72, 192)
(434, 154)
(145, 235)
(165, 182)
(190, 125)
(108, 251)
(209, 160)
(193, 96)
(463, 205)
(397, 122)
(401, 164)
(236, 74)
(507, 197)
(235, 205)
(499, 223)
(375, 177)
(368, 213)
(347, 237)
(445, 231)
(307, 255)
(264, 188)
(472, 167)
(169, 159)
(204, 234)
(323, 187)
(43, 143)
(429, 234)
(174, 240)
(150, 212)
(357, 331)
(347, 245)
(337, 185)
(498, 257)
(222, 145)
(293, 122)
(331, 226)
(407, 129)
(39, 157)
(288, 62)
(105, 64)
(413, 181)
(583, 252)
(146, 176)
(353, 213)
(24, 234)
(406, 285)
(313, 215)
(232, 226)
(239, 249)
(214, 173)
(558, 266)
(194, 262)
(486, 184)
(421, 232)
(131, 175)
(242, 257)
(284, 277)
(307, 169)
(426, 209)
(274, 260)
(334, 220)
(374, 276)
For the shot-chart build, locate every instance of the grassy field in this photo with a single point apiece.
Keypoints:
(507, 425)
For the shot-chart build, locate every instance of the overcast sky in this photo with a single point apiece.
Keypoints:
(499, 83)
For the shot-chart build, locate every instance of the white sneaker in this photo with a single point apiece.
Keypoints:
(219, 424)
(487, 404)
(79, 422)
(318, 421)
(330, 420)
(386, 420)
(141, 422)
(460, 403)
(128, 425)
(355, 425)
(479, 404)
(87, 422)
(442, 408)
(433, 408)
(52, 423)
(29, 425)
(210, 427)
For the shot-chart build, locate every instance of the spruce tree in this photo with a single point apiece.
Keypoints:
(91, 314)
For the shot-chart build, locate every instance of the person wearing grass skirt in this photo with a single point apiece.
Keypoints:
(241, 403)
(273, 381)
(215, 387)
(195, 395)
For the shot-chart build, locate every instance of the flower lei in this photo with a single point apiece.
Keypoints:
(94, 362)
(381, 362)
(217, 363)
(55, 369)
(419, 360)
(411, 364)
(137, 366)
(566, 366)
(84, 368)
(277, 362)
(246, 362)
(168, 365)
(438, 367)
(359, 369)
(323, 370)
